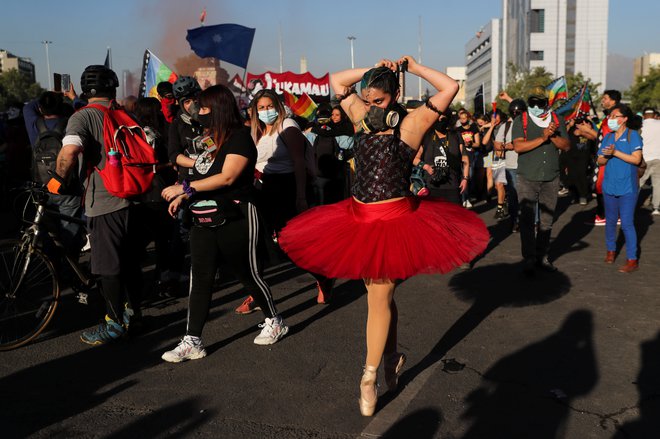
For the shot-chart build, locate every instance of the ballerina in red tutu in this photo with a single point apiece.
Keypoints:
(383, 233)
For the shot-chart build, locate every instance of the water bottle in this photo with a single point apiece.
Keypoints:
(114, 158)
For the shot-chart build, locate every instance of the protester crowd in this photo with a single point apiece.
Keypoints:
(230, 183)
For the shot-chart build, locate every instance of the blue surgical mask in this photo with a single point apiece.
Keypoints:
(536, 111)
(268, 116)
(613, 124)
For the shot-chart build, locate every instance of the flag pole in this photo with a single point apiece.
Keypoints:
(483, 98)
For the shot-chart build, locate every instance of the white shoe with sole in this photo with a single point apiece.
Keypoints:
(190, 348)
(272, 331)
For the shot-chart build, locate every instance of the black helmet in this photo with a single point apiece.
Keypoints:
(516, 107)
(98, 78)
(185, 87)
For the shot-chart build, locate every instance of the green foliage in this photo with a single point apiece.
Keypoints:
(16, 87)
(522, 81)
(574, 82)
(645, 92)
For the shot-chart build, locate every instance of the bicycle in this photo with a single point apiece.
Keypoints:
(29, 284)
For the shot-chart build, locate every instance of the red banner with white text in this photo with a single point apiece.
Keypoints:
(317, 88)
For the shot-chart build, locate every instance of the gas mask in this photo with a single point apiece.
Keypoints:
(193, 109)
(380, 119)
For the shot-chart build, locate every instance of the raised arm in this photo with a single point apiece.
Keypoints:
(342, 84)
(417, 122)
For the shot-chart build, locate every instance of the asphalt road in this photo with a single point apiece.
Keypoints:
(491, 354)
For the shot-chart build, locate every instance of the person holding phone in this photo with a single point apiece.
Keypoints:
(620, 154)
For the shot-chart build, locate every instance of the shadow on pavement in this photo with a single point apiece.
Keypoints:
(39, 396)
(571, 237)
(648, 385)
(420, 424)
(529, 393)
(479, 285)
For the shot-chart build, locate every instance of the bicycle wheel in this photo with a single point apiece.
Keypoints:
(29, 293)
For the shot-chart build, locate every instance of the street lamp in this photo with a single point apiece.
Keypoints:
(351, 39)
(46, 43)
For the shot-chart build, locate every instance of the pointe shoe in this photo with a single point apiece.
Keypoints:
(392, 366)
(368, 381)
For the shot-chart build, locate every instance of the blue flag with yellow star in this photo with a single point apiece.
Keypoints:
(228, 42)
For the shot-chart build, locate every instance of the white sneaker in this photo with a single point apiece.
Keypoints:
(467, 204)
(190, 348)
(273, 330)
(655, 212)
(88, 245)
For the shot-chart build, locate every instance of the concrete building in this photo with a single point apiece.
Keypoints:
(10, 61)
(458, 73)
(643, 64)
(563, 36)
(483, 63)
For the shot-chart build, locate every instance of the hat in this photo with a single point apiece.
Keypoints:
(649, 110)
(538, 92)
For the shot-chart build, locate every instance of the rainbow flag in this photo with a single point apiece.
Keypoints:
(303, 106)
(578, 105)
(557, 89)
(153, 72)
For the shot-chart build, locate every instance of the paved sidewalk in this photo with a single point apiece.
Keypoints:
(491, 354)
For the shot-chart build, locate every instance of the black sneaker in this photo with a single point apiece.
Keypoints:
(529, 265)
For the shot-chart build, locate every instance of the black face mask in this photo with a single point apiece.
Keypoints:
(379, 119)
(205, 120)
(441, 125)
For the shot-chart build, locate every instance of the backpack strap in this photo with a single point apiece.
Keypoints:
(507, 127)
(41, 125)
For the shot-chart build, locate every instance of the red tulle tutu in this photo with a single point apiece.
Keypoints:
(393, 240)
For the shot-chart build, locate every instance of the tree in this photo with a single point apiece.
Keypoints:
(645, 92)
(16, 87)
(522, 81)
(576, 81)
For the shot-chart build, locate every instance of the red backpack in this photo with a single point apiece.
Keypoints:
(130, 160)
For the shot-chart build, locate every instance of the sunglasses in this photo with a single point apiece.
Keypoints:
(537, 102)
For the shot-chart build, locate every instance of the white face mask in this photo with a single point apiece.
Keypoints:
(536, 111)
(613, 124)
(268, 116)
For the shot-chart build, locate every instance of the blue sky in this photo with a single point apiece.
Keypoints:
(81, 31)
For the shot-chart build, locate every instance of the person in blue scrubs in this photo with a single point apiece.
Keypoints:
(621, 153)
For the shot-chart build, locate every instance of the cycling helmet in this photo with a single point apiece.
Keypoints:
(516, 107)
(185, 87)
(98, 78)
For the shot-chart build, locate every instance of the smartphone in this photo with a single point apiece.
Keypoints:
(57, 82)
(66, 82)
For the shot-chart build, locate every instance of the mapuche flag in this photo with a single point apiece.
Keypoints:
(154, 71)
(557, 89)
(228, 42)
(579, 104)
